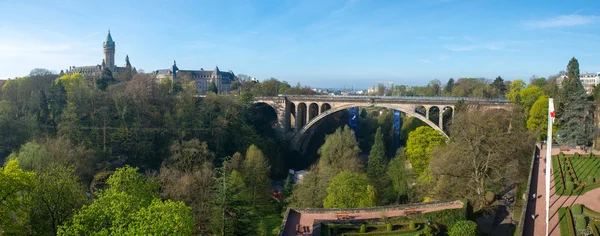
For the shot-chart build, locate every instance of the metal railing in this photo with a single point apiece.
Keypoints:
(423, 98)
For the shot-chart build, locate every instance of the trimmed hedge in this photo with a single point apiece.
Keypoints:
(464, 228)
(580, 223)
(363, 228)
(389, 227)
(411, 225)
(576, 155)
(569, 186)
(577, 209)
(590, 213)
(570, 221)
(385, 233)
(594, 227)
(590, 179)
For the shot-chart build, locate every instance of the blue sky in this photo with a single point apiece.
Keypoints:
(321, 43)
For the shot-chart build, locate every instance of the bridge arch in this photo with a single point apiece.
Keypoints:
(265, 113)
(300, 137)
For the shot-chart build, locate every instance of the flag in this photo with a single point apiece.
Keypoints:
(551, 110)
(551, 116)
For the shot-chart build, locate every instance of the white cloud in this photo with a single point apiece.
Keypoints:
(562, 21)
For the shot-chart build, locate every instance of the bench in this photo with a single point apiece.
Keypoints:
(298, 227)
(411, 211)
(342, 215)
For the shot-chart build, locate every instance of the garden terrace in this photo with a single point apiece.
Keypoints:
(575, 174)
(578, 220)
(318, 221)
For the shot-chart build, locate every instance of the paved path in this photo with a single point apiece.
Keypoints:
(538, 184)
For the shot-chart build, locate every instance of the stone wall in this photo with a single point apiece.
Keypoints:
(524, 210)
(362, 210)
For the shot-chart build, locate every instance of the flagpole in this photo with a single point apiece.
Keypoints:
(549, 158)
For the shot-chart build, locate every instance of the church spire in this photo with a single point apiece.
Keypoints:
(109, 40)
(127, 63)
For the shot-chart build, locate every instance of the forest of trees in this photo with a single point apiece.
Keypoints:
(119, 155)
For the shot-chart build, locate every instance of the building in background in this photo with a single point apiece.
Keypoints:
(108, 62)
(202, 77)
(589, 81)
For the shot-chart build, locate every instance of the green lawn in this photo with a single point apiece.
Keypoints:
(584, 167)
(557, 176)
(564, 230)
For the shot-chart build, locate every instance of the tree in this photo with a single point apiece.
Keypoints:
(255, 172)
(71, 81)
(420, 143)
(538, 81)
(514, 91)
(529, 95)
(130, 205)
(576, 112)
(105, 79)
(340, 151)
(311, 191)
(186, 156)
(213, 87)
(477, 158)
(464, 228)
(32, 156)
(349, 190)
(15, 188)
(41, 72)
(538, 118)
(232, 214)
(377, 164)
(58, 195)
(499, 87)
(399, 176)
(449, 86)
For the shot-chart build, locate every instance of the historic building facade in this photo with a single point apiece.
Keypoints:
(202, 77)
(107, 62)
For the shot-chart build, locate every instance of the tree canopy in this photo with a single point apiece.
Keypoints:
(349, 190)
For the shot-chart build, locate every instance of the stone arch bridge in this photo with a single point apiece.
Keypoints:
(297, 115)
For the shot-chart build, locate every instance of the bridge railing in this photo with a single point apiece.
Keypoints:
(501, 100)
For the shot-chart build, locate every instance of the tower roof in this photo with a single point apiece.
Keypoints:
(109, 40)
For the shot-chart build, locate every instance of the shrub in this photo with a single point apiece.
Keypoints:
(569, 178)
(489, 196)
(597, 176)
(590, 179)
(569, 185)
(561, 155)
(411, 225)
(363, 228)
(577, 210)
(464, 228)
(580, 223)
(576, 155)
(389, 227)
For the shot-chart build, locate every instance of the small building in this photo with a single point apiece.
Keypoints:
(589, 81)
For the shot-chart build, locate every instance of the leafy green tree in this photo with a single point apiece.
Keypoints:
(340, 151)
(538, 118)
(576, 112)
(32, 156)
(105, 80)
(212, 87)
(499, 87)
(349, 190)
(419, 146)
(255, 171)
(514, 91)
(15, 188)
(232, 214)
(538, 81)
(377, 164)
(71, 81)
(529, 95)
(399, 176)
(311, 191)
(127, 207)
(476, 159)
(449, 86)
(162, 218)
(58, 194)
(464, 228)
